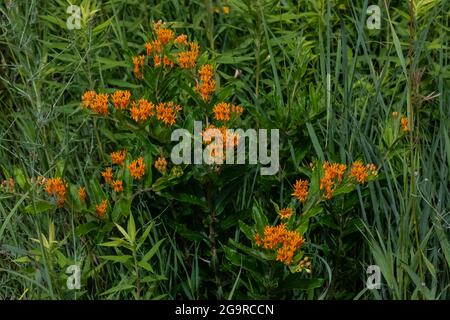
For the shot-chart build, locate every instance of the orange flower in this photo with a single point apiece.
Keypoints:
(359, 172)
(286, 213)
(404, 124)
(207, 84)
(222, 111)
(285, 242)
(148, 48)
(167, 62)
(237, 109)
(206, 72)
(164, 35)
(138, 63)
(117, 185)
(157, 46)
(88, 99)
(137, 168)
(183, 59)
(333, 173)
(161, 164)
(82, 194)
(301, 190)
(121, 99)
(258, 239)
(118, 157)
(56, 188)
(165, 112)
(188, 59)
(100, 104)
(100, 209)
(107, 175)
(141, 110)
(181, 40)
(157, 61)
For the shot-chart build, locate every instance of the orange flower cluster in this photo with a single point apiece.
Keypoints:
(82, 194)
(88, 99)
(117, 185)
(301, 190)
(333, 173)
(56, 188)
(97, 102)
(137, 168)
(118, 157)
(121, 99)
(164, 35)
(188, 59)
(161, 164)
(361, 172)
(167, 112)
(181, 40)
(107, 175)
(206, 86)
(286, 242)
(222, 111)
(404, 124)
(100, 209)
(229, 139)
(141, 110)
(286, 213)
(138, 66)
(216, 149)
(164, 39)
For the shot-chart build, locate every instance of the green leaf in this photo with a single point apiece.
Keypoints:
(259, 218)
(122, 259)
(152, 251)
(297, 281)
(38, 207)
(144, 235)
(131, 229)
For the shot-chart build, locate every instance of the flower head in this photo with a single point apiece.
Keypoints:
(88, 99)
(100, 209)
(161, 164)
(284, 241)
(166, 112)
(333, 174)
(181, 40)
(359, 172)
(118, 157)
(301, 190)
(82, 194)
(138, 64)
(117, 185)
(100, 104)
(56, 188)
(137, 168)
(404, 124)
(121, 99)
(107, 175)
(286, 213)
(141, 110)
(206, 86)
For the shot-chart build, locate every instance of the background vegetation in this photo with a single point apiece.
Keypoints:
(310, 68)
